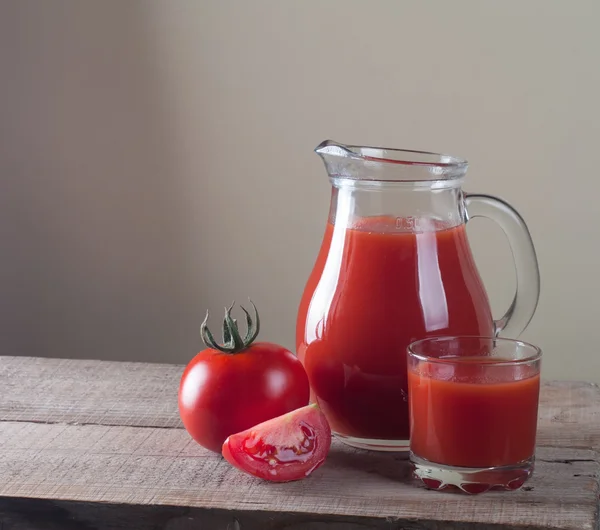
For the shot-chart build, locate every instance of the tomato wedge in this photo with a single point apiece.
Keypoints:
(289, 447)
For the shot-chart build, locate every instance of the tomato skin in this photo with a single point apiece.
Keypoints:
(221, 394)
(286, 448)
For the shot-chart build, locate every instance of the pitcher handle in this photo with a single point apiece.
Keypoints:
(524, 304)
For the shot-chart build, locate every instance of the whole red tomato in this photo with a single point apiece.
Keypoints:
(228, 388)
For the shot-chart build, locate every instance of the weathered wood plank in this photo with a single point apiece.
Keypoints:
(37, 514)
(569, 414)
(89, 392)
(162, 469)
(145, 395)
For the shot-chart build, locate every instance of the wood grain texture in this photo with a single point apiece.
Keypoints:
(145, 395)
(98, 445)
(25, 514)
(163, 468)
(569, 415)
(89, 392)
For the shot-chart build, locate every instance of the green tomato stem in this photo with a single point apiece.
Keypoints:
(232, 340)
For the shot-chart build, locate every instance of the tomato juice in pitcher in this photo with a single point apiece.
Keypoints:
(395, 266)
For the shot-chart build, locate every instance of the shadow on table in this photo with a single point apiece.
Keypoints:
(393, 466)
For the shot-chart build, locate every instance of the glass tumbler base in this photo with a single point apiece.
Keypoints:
(471, 480)
(372, 444)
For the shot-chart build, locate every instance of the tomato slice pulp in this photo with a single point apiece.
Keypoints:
(289, 447)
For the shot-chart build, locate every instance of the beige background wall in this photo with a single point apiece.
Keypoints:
(156, 157)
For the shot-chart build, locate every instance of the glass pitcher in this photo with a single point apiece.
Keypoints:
(395, 266)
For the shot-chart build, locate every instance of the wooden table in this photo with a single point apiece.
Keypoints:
(98, 445)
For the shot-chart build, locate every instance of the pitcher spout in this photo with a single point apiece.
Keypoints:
(341, 160)
(331, 148)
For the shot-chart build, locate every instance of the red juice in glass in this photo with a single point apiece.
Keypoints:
(473, 409)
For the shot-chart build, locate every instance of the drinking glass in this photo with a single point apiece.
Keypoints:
(473, 411)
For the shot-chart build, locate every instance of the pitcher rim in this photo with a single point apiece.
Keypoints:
(408, 158)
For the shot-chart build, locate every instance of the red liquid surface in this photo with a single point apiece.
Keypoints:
(473, 416)
(373, 290)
